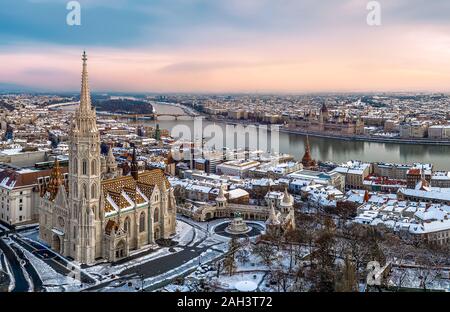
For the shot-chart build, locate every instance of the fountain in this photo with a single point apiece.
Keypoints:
(237, 226)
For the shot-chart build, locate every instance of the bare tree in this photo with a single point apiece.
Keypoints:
(266, 252)
(230, 258)
(346, 279)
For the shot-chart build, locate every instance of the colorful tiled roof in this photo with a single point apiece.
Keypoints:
(118, 192)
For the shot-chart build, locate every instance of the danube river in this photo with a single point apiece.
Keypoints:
(335, 150)
(327, 149)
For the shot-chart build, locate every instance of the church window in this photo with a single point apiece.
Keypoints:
(126, 225)
(75, 188)
(85, 195)
(94, 190)
(84, 166)
(156, 215)
(75, 165)
(94, 167)
(74, 233)
(142, 222)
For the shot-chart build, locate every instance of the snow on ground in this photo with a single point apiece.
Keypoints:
(8, 270)
(252, 270)
(205, 257)
(188, 233)
(52, 280)
(25, 272)
(229, 282)
(1, 264)
(184, 233)
(411, 278)
(109, 269)
(31, 234)
(27, 226)
(136, 283)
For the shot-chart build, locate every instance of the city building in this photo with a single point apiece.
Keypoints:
(20, 191)
(355, 173)
(239, 168)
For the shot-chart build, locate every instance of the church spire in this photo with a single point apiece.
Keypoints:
(134, 165)
(85, 117)
(307, 147)
(85, 96)
(307, 161)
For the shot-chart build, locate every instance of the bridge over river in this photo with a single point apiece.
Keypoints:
(172, 111)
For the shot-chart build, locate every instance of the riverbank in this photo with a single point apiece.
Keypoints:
(360, 138)
(364, 138)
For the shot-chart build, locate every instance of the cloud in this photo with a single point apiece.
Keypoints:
(220, 45)
(45, 71)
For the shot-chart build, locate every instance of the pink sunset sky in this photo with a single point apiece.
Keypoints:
(290, 46)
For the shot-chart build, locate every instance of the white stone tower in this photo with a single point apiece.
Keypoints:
(286, 203)
(84, 180)
(221, 200)
(111, 165)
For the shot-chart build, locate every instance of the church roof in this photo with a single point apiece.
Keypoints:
(124, 192)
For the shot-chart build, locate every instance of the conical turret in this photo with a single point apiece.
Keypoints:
(221, 200)
(273, 219)
(287, 202)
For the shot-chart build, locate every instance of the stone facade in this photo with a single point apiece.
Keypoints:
(90, 218)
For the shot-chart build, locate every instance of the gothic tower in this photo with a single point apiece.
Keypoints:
(307, 161)
(84, 180)
(134, 166)
(324, 112)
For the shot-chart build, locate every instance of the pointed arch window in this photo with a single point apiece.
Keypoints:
(142, 222)
(85, 195)
(94, 190)
(94, 167)
(127, 225)
(156, 215)
(75, 165)
(84, 166)
(75, 188)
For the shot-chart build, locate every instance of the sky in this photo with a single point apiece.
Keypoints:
(224, 46)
